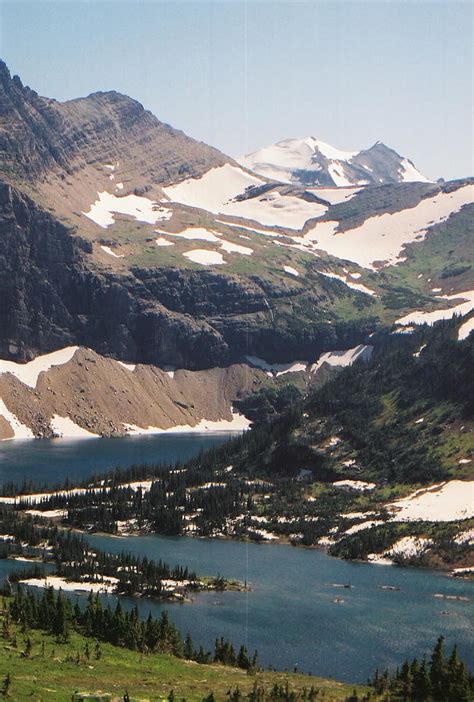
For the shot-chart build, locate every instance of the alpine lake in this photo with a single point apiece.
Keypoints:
(297, 613)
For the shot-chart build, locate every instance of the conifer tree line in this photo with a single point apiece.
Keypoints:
(442, 678)
(52, 612)
(74, 559)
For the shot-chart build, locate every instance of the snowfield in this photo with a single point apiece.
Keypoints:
(238, 423)
(278, 161)
(205, 257)
(420, 317)
(444, 502)
(344, 279)
(277, 368)
(140, 208)
(20, 431)
(193, 233)
(236, 248)
(465, 329)
(58, 583)
(382, 238)
(291, 270)
(343, 358)
(65, 427)
(29, 372)
(217, 189)
(109, 251)
(355, 485)
(213, 189)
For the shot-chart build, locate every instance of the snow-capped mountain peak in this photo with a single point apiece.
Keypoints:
(312, 162)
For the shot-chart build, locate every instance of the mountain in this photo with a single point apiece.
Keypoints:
(311, 162)
(375, 463)
(123, 236)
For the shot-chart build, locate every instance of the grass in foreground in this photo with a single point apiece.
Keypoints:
(52, 671)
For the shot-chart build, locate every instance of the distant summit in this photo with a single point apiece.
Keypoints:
(312, 162)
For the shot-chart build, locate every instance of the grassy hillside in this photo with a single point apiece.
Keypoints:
(52, 671)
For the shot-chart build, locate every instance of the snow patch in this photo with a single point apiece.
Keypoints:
(443, 502)
(381, 238)
(140, 208)
(335, 195)
(343, 358)
(465, 329)
(344, 279)
(109, 251)
(229, 247)
(364, 525)
(194, 233)
(217, 191)
(277, 368)
(64, 426)
(238, 423)
(48, 513)
(128, 366)
(28, 373)
(20, 431)
(421, 317)
(410, 174)
(409, 546)
(359, 485)
(205, 257)
(58, 583)
(291, 270)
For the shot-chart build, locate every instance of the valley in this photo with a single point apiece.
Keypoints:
(238, 390)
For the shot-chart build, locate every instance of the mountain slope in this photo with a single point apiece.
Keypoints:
(39, 135)
(128, 238)
(377, 462)
(311, 162)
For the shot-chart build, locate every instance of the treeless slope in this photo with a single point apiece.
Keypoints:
(103, 396)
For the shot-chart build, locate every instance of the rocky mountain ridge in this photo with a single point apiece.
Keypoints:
(39, 135)
(122, 235)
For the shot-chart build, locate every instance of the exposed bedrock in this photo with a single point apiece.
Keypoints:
(53, 296)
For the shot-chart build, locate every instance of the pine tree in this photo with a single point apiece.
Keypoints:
(6, 685)
(438, 671)
(421, 683)
(188, 649)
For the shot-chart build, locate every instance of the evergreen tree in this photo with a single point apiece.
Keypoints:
(6, 685)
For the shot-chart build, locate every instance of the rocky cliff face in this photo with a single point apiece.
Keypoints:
(39, 136)
(53, 296)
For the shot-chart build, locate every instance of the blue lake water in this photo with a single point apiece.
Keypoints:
(51, 461)
(290, 615)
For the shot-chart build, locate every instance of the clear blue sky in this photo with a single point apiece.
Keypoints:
(239, 75)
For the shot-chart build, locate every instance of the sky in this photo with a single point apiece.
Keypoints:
(240, 75)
